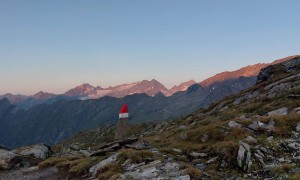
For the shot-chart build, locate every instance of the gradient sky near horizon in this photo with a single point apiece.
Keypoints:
(54, 45)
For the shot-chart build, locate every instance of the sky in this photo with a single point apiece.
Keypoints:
(55, 45)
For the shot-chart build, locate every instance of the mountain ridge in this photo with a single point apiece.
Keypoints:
(247, 71)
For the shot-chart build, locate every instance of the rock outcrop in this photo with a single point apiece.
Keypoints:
(38, 151)
(244, 156)
(93, 170)
(287, 66)
(8, 159)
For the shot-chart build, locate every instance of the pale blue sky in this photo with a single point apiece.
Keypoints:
(56, 45)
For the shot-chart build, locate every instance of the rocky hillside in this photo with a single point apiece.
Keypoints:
(248, 71)
(250, 135)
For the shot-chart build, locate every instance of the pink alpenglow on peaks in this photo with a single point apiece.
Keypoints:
(124, 112)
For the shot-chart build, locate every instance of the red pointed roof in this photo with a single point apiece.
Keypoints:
(124, 109)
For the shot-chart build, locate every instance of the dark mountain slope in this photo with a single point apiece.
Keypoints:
(51, 123)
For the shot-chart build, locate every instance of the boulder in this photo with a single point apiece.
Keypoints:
(270, 138)
(294, 146)
(254, 126)
(183, 136)
(157, 127)
(251, 139)
(244, 156)
(279, 112)
(8, 159)
(204, 138)
(93, 170)
(201, 166)
(233, 124)
(171, 166)
(177, 150)
(38, 151)
(197, 155)
(257, 124)
(295, 171)
(181, 127)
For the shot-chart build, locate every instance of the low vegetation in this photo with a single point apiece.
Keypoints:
(74, 165)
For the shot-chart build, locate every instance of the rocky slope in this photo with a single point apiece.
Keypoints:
(248, 71)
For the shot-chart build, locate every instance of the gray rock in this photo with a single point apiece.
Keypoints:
(233, 124)
(263, 149)
(259, 158)
(8, 159)
(177, 150)
(152, 164)
(85, 152)
(183, 136)
(237, 101)
(224, 108)
(297, 110)
(201, 166)
(186, 177)
(260, 153)
(148, 171)
(254, 126)
(294, 146)
(30, 169)
(295, 171)
(204, 138)
(181, 127)
(244, 156)
(270, 138)
(171, 167)
(197, 155)
(39, 151)
(242, 117)
(251, 139)
(279, 112)
(93, 170)
(271, 122)
(157, 127)
(131, 167)
(73, 147)
(212, 160)
(281, 160)
(257, 124)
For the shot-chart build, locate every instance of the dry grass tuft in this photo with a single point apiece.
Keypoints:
(135, 155)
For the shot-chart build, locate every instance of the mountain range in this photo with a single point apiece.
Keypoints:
(153, 87)
(60, 117)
